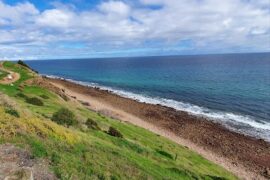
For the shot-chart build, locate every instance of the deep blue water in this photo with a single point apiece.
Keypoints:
(233, 89)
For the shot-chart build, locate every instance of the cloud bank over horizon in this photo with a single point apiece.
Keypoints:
(78, 28)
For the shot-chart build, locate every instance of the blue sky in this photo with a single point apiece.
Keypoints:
(43, 29)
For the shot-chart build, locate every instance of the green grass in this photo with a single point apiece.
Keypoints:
(79, 152)
(3, 74)
(11, 90)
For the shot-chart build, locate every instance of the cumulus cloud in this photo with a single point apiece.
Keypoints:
(55, 18)
(115, 8)
(18, 14)
(127, 26)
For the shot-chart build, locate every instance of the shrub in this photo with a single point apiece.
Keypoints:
(64, 116)
(35, 101)
(20, 62)
(164, 153)
(90, 123)
(21, 95)
(114, 132)
(12, 112)
(44, 96)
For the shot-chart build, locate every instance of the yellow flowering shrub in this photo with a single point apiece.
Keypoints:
(11, 126)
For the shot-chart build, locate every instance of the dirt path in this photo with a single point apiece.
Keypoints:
(107, 109)
(11, 77)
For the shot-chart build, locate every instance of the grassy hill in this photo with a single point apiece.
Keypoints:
(86, 149)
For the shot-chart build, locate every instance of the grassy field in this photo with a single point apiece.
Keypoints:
(80, 152)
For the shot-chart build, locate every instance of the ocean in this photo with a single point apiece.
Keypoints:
(231, 89)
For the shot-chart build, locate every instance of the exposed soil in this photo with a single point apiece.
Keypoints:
(16, 163)
(6, 80)
(43, 82)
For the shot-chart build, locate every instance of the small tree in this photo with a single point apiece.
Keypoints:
(65, 117)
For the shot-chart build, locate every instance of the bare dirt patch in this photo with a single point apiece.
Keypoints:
(10, 78)
(16, 163)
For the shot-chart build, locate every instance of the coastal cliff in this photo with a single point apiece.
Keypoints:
(60, 136)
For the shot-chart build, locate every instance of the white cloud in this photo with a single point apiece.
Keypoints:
(56, 18)
(154, 2)
(115, 8)
(17, 14)
(119, 25)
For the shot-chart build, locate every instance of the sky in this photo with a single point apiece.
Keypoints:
(44, 29)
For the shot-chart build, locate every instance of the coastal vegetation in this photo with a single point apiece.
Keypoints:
(82, 144)
(35, 101)
(64, 117)
(114, 132)
(3, 74)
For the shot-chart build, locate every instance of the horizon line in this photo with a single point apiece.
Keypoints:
(143, 56)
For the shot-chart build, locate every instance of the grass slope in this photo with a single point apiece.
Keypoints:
(82, 153)
(3, 74)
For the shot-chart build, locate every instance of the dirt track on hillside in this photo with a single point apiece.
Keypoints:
(6, 80)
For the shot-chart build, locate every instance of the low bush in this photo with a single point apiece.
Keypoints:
(90, 123)
(21, 95)
(20, 62)
(114, 132)
(35, 101)
(164, 153)
(44, 96)
(64, 117)
(12, 112)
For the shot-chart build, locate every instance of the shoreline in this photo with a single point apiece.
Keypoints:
(245, 156)
(242, 124)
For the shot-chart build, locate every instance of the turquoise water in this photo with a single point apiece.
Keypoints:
(231, 89)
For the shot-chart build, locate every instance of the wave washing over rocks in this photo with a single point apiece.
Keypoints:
(240, 123)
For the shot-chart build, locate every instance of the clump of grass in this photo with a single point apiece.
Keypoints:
(55, 158)
(64, 117)
(21, 95)
(166, 154)
(35, 101)
(90, 123)
(114, 132)
(38, 148)
(63, 96)
(12, 112)
(44, 96)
